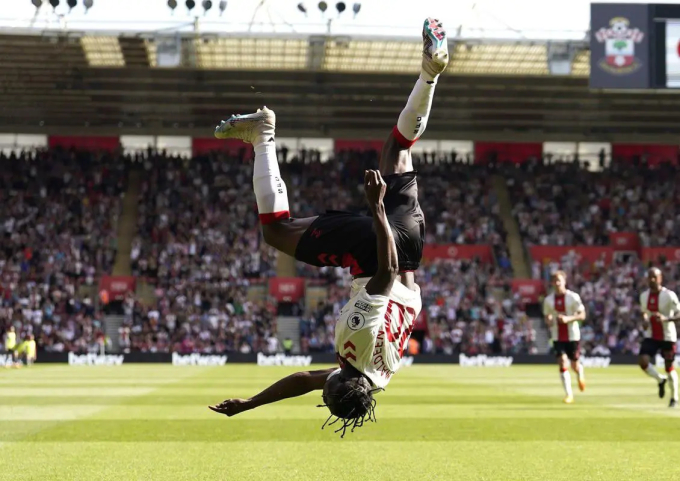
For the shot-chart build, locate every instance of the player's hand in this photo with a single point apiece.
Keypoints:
(561, 319)
(231, 407)
(660, 317)
(374, 187)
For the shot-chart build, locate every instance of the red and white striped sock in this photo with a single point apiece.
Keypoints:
(270, 189)
(413, 119)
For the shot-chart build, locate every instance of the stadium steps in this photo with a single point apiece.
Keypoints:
(112, 324)
(145, 293)
(289, 327)
(127, 225)
(542, 337)
(257, 292)
(313, 296)
(285, 265)
(518, 258)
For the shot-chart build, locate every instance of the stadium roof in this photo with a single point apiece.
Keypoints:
(520, 19)
(321, 86)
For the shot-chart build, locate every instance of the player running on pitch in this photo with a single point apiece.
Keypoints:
(381, 251)
(661, 310)
(563, 310)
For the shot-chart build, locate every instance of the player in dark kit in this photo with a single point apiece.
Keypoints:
(351, 240)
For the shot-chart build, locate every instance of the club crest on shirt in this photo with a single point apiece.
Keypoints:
(364, 306)
(356, 321)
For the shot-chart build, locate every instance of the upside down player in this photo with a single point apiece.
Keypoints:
(563, 310)
(381, 251)
(660, 309)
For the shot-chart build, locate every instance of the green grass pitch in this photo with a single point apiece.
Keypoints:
(141, 422)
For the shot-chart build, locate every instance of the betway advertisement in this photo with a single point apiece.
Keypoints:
(328, 359)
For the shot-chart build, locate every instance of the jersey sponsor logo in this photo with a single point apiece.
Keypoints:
(197, 360)
(595, 361)
(283, 360)
(356, 321)
(364, 306)
(94, 360)
(482, 360)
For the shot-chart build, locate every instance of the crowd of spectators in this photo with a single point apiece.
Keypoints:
(610, 293)
(208, 318)
(199, 246)
(58, 218)
(466, 309)
(198, 222)
(567, 204)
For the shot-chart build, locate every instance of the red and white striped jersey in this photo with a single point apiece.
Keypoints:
(372, 332)
(665, 302)
(568, 304)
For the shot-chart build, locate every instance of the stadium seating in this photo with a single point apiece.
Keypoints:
(59, 211)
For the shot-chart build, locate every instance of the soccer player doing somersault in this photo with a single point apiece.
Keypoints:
(382, 251)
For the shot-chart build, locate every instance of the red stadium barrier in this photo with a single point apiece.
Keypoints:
(585, 253)
(84, 143)
(117, 286)
(458, 251)
(625, 241)
(202, 146)
(349, 144)
(516, 152)
(287, 289)
(655, 154)
(529, 290)
(653, 254)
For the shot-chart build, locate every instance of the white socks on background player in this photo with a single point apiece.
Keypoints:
(413, 119)
(566, 382)
(652, 372)
(270, 189)
(673, 381)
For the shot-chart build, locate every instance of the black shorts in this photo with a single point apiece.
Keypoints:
(344, 239)
(571, 348)
(650, 347)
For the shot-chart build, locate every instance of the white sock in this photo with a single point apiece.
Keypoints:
(652, 372)
(270, 189)
(673, 380)
(413, 119)
(566, 383)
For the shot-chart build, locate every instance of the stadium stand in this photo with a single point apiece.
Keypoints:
(59, 211)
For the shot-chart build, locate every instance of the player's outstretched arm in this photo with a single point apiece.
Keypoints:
(388, 260)
(290, 386)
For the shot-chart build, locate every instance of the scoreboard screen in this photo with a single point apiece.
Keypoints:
(672, 54)
(635, 46)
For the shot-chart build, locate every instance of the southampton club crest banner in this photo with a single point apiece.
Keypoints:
(619, 46)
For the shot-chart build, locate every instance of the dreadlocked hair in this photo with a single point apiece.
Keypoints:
(350, 401)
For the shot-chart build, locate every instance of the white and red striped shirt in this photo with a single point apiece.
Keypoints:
(372, 332)
(665, 302)
(566, 304)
